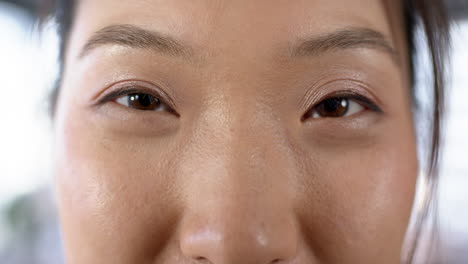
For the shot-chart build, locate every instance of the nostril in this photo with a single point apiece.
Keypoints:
(203, 260)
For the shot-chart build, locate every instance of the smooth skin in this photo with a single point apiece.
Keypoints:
(230, 168)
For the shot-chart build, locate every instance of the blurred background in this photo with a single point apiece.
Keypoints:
(29, 232)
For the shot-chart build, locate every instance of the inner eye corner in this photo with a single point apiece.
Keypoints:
(307, 115)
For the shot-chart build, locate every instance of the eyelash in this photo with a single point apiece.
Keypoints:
(349, 96)
(127, 91)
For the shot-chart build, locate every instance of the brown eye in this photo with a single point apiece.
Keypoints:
(141, 101)
(334, 107)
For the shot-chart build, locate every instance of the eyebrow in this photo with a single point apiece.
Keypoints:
(135, 37)
(350, 38)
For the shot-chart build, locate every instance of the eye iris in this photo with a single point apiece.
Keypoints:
(333, 107)
(143, 101)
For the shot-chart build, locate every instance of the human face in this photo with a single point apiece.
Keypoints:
(203, 132)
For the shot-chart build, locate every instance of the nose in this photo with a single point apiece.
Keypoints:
(235, 235)
(238, 207)
(238, 235)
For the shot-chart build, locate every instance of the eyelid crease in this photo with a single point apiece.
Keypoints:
(315, 94)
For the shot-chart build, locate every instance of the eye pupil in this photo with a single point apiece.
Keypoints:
(333, 107)
(142, 101)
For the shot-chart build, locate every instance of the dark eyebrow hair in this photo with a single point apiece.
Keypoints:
(135, 37)
(348, 38)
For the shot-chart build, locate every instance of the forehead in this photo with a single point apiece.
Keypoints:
(243, 23)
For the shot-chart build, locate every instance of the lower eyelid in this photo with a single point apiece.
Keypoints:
(114, 111)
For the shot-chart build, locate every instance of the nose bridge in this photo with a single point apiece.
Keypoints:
(237, 206)
(241, 151)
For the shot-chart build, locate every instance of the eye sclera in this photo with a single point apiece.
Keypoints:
(346, 98)
(340, 107)
(128, 87)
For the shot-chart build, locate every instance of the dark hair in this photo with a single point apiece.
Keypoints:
(432, 16)
(428, 15)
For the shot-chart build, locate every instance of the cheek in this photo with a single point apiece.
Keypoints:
(359, 199)
(110, 190)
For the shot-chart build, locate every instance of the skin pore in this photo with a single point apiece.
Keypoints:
(203, 132)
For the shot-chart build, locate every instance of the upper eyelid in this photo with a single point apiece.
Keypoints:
(132, 86)
(319, 91)
(345, 94)
(123, 92)
(353, 96)
(127, 92)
